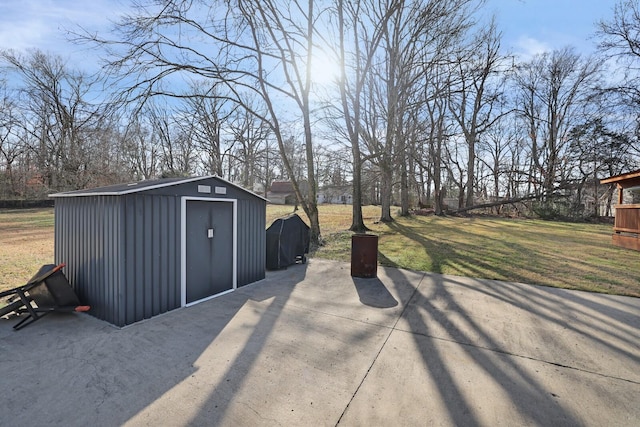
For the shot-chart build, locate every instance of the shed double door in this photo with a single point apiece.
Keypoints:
(209, 247)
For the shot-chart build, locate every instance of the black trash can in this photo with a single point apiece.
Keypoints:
(364, 255)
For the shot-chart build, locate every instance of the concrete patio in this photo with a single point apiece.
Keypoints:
(311, 345)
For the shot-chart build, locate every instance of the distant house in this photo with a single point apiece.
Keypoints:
(282, 193)
(335, 194)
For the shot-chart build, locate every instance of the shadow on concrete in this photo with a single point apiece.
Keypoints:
(426, 321)
(436, 315)
(374, 293)
(567, 310)
(214, 409)
(199, 361)
(125, 371)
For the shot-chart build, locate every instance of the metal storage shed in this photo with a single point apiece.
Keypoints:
(140, 249)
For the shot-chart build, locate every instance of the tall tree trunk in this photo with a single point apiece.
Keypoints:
(471, 144)
(386, 187)
(404, 185)
(357, 222)
(436, 154)
(352, 115)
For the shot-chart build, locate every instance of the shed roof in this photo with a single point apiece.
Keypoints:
(625, 180)
(145, 185)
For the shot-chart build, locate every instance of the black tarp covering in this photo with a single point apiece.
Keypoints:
(287, 242)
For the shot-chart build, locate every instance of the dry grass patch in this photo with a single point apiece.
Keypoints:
(26, 243)
(333, 218)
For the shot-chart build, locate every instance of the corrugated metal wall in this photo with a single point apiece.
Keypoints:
(151, 256)
(123, 252)
(88, 239)
(251, 241)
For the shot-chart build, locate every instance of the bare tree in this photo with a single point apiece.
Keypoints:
(61, 119)
(620, 39)
(141, 149)
(437, 132)
(384, 47)
(177, 151)
(474, 95)
(494, 152)
(260, 49)
(249, 140)
(553, 90)
(359, 36)
(284, 35)
(12, 146)
(203, 114)
(456, 167)
(426, 34)
(597, 152)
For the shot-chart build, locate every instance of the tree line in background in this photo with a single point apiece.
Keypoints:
(423, 109)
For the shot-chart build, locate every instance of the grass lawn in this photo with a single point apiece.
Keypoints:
(559, 254)
(575, 256)
(26, 243)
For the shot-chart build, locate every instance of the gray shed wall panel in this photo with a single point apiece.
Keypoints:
(88, 240)
(151, 256)
(251, 241)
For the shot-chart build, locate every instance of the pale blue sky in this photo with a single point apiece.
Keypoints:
(534, 26)
(529, 26)
(41, 23)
